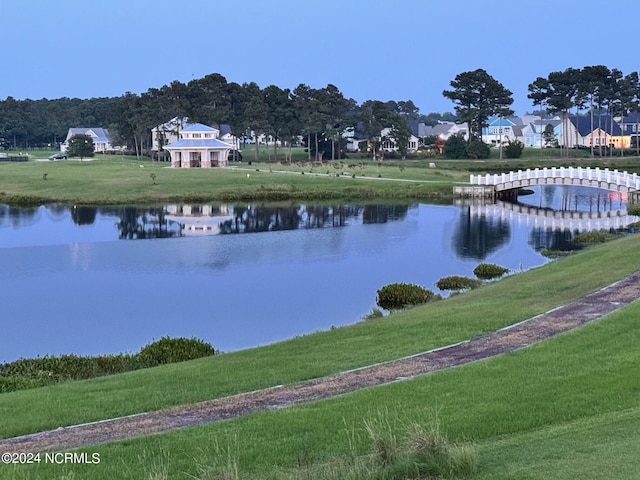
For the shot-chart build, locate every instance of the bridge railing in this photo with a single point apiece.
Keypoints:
(630, 180)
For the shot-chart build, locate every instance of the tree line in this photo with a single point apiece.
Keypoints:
(319, 115)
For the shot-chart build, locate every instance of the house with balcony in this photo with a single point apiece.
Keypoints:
(170, 132)
(198, 146)
(499, 130)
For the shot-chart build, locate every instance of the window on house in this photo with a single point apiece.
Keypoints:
(196, 135)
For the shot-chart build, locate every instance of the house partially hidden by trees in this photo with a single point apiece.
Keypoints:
(390, 143)
(100, 136)
(198, 146)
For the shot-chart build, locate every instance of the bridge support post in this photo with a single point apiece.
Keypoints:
(509, 195)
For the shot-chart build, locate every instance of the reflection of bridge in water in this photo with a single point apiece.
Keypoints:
(552, 219)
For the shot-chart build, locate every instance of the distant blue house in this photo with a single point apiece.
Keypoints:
(533, 133)
(498, 130)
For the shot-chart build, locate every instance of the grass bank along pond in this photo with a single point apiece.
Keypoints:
(75, 281)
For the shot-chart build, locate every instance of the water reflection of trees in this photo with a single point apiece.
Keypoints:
(259, 218)
(550, 239)
(476, 236)
(136, 223)
(83, 215)
(152, 222)
(383, 213)
(17, 216)
(133, 223)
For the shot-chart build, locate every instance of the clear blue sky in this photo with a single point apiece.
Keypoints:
(369, 49)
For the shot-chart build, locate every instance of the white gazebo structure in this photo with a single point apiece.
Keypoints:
(198, 147)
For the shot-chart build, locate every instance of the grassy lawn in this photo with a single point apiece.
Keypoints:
(126, 180)
(582, 381)
(120, 179)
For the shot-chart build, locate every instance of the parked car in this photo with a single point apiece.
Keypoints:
(58, 156)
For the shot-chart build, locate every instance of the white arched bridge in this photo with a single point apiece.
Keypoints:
(504, 183)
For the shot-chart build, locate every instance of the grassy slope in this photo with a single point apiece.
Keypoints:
(564, 391)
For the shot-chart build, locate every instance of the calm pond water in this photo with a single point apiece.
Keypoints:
(107, 280)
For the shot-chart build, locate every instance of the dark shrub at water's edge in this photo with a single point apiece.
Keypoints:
(396, 296)
(36, 372)
(488, 271)
(457, 283)
(172, 350)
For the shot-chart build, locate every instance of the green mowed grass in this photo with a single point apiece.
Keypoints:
(122, 179)
(114, 179)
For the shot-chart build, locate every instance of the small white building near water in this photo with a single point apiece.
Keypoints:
(198, 147)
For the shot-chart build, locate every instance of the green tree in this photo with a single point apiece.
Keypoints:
(209, 101)
(374, 116)
(401, 133)
(336, 108)
(559, 92)
(255, 114)
(477, 149)
(549, 137)
(307, 105)
(80, 145)
(477, 96)
(455, 147)
(514, 149)
(281, 115)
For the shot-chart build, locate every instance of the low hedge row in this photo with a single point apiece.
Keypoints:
(35, 372)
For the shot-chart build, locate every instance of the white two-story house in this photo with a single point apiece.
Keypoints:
(198, 147)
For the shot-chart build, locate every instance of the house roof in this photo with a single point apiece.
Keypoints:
(172, 124)
(500, 121)
(633, 117)
(98, 134)
(225, 128)
(198, 127)
(440, 129)
(414, 125)
(584, 127)
(198, 143)
(518, 130)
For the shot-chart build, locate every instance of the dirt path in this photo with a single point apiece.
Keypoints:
(562, 319)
